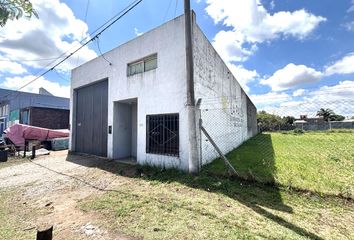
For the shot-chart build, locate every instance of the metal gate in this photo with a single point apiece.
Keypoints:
(92, 119)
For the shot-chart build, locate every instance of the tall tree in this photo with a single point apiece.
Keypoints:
(15, 9)
(336, 117)
(268, 122)
(288, 120)
(325, 113)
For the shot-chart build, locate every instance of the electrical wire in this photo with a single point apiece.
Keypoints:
(60, 76)
(27, 60)
(81, 41)
(112, 21)
(168, 9)
(99, 49)
(176, 7)
(85, 20)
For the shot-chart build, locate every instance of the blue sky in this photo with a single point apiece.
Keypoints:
(285, 53)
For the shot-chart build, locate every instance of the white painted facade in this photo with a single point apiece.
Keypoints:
(159, 91)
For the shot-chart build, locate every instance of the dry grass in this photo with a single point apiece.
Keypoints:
(15, 216)
(172, 205)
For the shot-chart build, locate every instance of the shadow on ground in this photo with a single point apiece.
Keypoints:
(255, 196)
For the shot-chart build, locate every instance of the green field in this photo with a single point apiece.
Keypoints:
(322, 162)
(157, 204)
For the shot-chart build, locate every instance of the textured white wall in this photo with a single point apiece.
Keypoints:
(224, 103)
(162, 90)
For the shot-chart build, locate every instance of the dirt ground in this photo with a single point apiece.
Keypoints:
(51, 187)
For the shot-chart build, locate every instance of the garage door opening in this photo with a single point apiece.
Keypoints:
(90, 119)
(125, 130)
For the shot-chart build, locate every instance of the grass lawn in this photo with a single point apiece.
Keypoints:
(174, 205)
(159, 204)
(322, 162)
(12, 215)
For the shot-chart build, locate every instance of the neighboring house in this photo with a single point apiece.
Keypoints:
(40, 110)
(135, 106)
(319, 124)
(311, 120)
(45, 117)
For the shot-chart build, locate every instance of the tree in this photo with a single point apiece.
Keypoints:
(268, 122)
(336, 117)
(288, 120)
(15, 9)
(325, 113)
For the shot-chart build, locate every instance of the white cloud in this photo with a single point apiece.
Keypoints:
(290, 76)
(342, 66)
(351, 9)
(269, 98)
(137, 32)
(243, 75)
(56, 31)
(349, 26)
(338, 98)
(229, 46)
(251, 23)
(299, 92)
(344, 90)
(8, 66)
(53, 87)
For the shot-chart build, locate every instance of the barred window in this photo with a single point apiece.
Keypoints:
(144, 65)
(162, 134)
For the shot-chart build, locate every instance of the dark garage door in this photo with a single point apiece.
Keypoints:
(91, 119)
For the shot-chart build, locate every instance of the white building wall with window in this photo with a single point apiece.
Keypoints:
(148, 74)
(156, 91)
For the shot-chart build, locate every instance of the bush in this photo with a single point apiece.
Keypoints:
(298, 131)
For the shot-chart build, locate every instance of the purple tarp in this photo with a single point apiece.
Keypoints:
(18, 133)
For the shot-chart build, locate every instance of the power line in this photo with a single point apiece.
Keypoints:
(117, 17)
(27, 60)
(168, 9)
(86, 11)
(176, 7)
(60, 76)
(99, 49)
(83, 45)
(81, 41)
(85, 21)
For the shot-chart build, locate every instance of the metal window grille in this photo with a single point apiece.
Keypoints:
(163, 134)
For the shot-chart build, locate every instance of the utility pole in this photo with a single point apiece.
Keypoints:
(192, 126)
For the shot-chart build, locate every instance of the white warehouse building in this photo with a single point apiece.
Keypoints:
(135, 106)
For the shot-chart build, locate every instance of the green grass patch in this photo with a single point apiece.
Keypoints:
(322, 162)
(155, 204)
(12, 224)
(174, 205)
